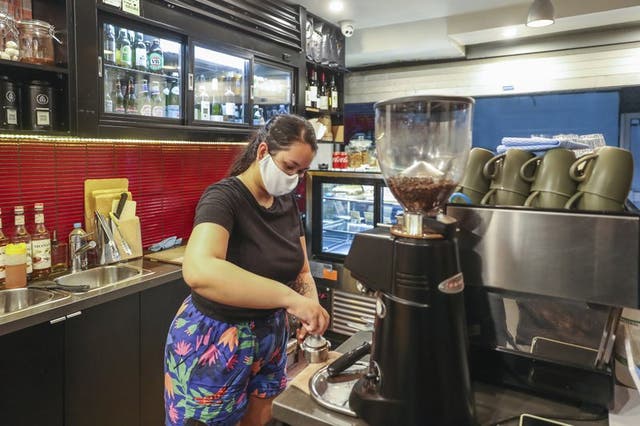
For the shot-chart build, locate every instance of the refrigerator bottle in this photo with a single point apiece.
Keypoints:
(140, 53)
(3, 244)
(157, 100)
(144, 100)
(123, 49)
(156, 59)
(109, 48)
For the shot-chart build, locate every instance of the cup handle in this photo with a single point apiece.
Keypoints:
(575, 197)
(523, 169)
(485, 169)
(574, 166)
(485, 199)
(530, 198)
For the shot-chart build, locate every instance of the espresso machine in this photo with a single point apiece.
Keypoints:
(418, 370)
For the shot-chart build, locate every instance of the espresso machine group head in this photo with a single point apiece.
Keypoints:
(418, 372)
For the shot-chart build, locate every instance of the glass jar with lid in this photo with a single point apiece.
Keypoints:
(36, 42)
(9, 40)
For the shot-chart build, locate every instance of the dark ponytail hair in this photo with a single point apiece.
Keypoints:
(279, 133)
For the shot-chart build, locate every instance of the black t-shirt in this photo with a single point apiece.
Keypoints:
(265, 241)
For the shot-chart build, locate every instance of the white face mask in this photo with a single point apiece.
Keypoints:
(275, 180)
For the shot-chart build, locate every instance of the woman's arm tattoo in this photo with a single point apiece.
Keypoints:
(300, 286)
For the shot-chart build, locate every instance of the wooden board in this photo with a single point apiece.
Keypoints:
(91, 185)
(173, 255)
(130, 229)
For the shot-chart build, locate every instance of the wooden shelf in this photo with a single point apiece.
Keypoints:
(26, 66)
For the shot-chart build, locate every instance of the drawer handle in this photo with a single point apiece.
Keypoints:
(74, 314)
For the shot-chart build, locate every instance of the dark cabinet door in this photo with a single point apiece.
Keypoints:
(158, 306)
(31, 373)
(102, 365)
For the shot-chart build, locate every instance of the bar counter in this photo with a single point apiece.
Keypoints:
(494, 405)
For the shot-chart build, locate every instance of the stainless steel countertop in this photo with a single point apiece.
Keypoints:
(493, 404)
(161, 273)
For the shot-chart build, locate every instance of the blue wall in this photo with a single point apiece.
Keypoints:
(521, 116)
(550, 114)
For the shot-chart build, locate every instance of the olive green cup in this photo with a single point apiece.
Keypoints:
(587, 201)
(507, 186)
(605, 175)
(474, 181)
(551, 184)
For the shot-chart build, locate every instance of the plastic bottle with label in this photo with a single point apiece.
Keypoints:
(77, 237)
(3, 244)
(16, 265)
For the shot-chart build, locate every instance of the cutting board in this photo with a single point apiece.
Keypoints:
(130, 229)
(104, 202)
(91, 185)
(173, 255)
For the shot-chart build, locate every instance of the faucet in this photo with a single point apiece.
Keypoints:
(78, 256)
(107, 247)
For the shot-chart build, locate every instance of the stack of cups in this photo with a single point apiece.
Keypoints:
(551, 184)
(474, 183)
(604, 179)
(507, 187)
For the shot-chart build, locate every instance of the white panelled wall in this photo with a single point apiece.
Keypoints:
(566, 70)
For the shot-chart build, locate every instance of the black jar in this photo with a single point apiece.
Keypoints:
(39, 111)
(9, 104)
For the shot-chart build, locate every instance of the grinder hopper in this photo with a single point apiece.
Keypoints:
(422, 143)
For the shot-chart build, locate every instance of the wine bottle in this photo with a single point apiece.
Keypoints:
(313, 88)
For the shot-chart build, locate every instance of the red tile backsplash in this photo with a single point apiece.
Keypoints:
(166, 180)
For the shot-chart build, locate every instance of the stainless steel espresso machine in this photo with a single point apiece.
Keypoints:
(418, 371)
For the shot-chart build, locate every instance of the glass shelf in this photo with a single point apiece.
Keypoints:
(133, 70)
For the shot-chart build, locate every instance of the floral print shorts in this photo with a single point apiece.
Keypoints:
(210, 366)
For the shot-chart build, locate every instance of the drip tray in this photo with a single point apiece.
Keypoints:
(333, 392)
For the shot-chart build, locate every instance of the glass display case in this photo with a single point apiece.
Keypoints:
(220, 92)
(341, 204)
(272, 91)
(141, 72)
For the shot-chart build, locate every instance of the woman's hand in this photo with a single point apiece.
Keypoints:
(314, 318)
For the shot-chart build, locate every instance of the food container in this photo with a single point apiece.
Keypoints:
(9, 40)
(36, 42)
(358, 151)
(39, 110)
(9, 104)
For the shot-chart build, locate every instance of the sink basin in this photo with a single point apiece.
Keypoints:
(18, 299)
(100, 276)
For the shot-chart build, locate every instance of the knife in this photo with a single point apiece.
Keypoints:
(348, 359)
(121, 202)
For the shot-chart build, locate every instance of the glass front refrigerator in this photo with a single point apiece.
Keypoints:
(142, 72)
(221, 91)
(272, 91)
(339, 205)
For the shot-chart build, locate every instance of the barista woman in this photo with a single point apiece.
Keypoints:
(247, 267)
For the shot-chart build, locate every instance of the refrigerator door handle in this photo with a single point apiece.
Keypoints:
(190, 82)
(100, 66)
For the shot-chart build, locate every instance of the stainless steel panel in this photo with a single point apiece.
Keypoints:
(352, 312)
(578, 256)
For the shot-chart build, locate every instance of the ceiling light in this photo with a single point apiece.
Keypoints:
(336, 5)
(541, 14)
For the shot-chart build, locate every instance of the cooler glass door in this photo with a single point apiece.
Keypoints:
(389, 208)
(272, 87)
(220, 92)
(142, 73)
(346, 210)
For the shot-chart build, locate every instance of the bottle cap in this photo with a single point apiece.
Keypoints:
(77, 225)
(13, 249)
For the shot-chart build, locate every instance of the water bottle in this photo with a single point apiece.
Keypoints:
(77, 239)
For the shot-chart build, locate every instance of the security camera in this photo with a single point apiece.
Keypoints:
(347, 28)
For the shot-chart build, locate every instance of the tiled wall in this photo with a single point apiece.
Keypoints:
(166, 180)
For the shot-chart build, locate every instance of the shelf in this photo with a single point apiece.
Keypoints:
(321, 111)
(133, 70)
(26, 66)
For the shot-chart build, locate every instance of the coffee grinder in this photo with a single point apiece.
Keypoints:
(418, 372)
